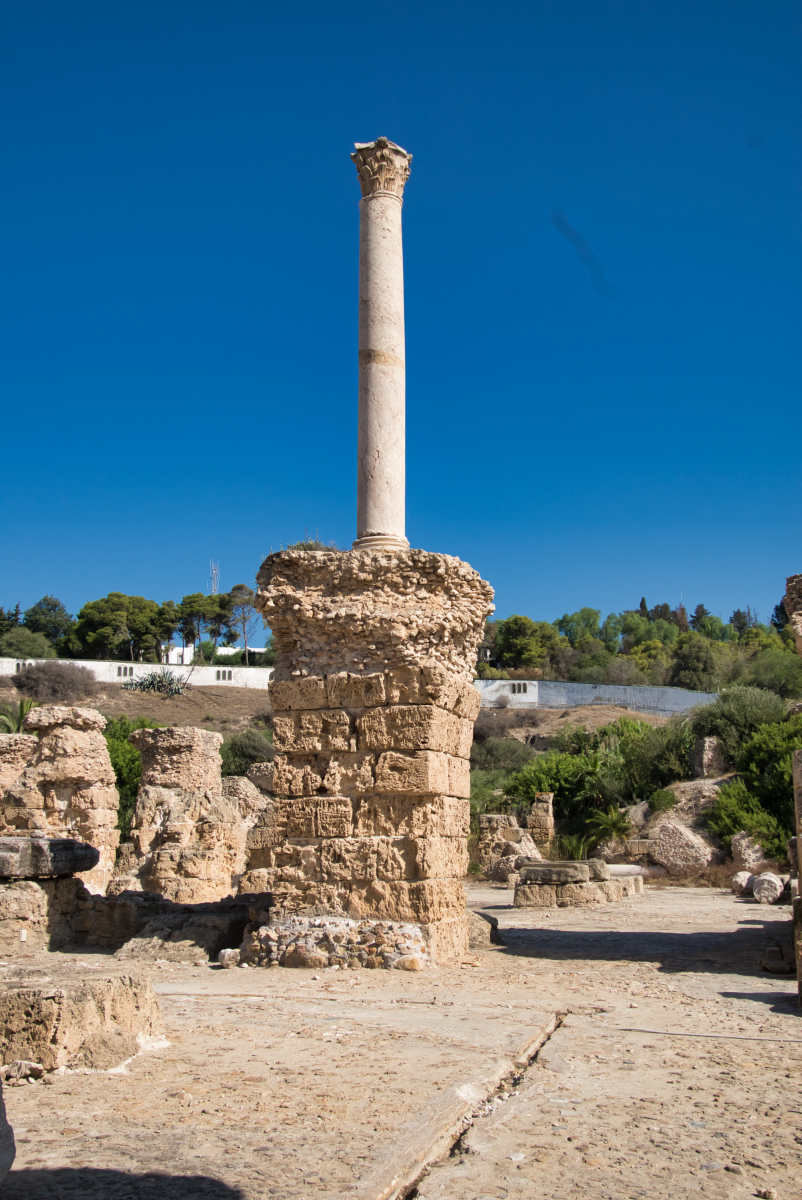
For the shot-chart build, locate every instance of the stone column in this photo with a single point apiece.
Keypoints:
(383, 169)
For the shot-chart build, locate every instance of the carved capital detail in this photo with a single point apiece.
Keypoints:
(381, 166)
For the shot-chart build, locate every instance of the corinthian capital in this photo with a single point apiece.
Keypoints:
(381, 166)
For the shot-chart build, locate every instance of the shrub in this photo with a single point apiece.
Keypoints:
(766, 762)
(167, 683)
(736, 715)
(652, 758)
(127, 763)
(56, 682)
(500, 754)
(579, 783)
(485, 671)
(777, 671)
(736, 810)
(694, 666)
(661, 800)
(573, 739)
(23, 643)
(244, 749)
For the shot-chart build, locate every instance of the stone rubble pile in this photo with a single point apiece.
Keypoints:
(333, 942)
(501, 843)
(569, 884)
(373, 724)
(57, 781)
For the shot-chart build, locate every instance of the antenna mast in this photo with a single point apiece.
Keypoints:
(214, 576)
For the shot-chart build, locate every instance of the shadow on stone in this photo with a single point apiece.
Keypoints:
(91, 1183)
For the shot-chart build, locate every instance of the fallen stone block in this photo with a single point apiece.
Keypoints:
(742, 883)
(598, 869)
(767, 888)
(748, 855)
(74, 1022)
(679, 849)
(40, 858)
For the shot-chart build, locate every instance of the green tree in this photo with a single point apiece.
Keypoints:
(699, 614)
(580, 624)
(9, 619)
(694, 666)
(243, 617)
(661, 612)
(610, 633)
(202, 617)
(50, 617)
(522, 642)
(23, 643)
(636, 629)
(119, 627)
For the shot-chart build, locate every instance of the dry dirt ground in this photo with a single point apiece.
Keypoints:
(224, 709)
(626, 1051)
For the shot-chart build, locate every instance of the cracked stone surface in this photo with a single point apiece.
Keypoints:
(277, 1083)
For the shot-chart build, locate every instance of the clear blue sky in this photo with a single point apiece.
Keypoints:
(179, 291)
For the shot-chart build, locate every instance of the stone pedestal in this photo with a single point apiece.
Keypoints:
(374, 710)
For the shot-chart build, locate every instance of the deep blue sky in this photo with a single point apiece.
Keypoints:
(178, 272)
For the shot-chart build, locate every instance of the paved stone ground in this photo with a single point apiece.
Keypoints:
(280, 1084)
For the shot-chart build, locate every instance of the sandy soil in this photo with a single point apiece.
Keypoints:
(280, 1083)
(537, 727)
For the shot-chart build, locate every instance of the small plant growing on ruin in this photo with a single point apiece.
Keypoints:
(661, 800)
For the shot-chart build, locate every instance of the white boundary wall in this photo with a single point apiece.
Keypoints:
(543, 693)
(112, 672)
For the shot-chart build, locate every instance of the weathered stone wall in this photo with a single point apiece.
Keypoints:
(190, 825)
(540, 821)
(66, 786)
(793, 607)
(373, 723)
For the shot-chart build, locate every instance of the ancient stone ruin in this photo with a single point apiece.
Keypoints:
(793, 607)
(569, 884)
(58, 781)
(373, 723)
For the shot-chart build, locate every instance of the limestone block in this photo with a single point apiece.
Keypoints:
(184, 758)
(709, 758)
(412, 816)
(570, 895)
(294, 778)
(241, 794)
(431, 684)
(346, 689)
(628, 885)
(493, 822)
(742, 883)
(556, 873)
(349, 774)
(611, 889)
(74, 1023)
(535, 895)
(42, 910)
(679, 849)
(51, 716)
(767, 888)
(423, 902)
(298, 694)
(482, 930)
(261, 776)
(332, 860)
(15, 751)
(423, 771)
(415, 727)
(8, 1149)
(748, 855)
(598, 869)
(36, 858)
(320, 730)
(447, 939)
(637, 882)
(313, 816)
(540, 821)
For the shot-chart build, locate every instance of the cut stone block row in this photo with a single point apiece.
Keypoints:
(399, 727)
(423, 901)
(364, 816)
(569, 895)
(420, 772)
(329, 860)
(401, 685)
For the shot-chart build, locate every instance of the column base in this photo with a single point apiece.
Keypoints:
(380, 541)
